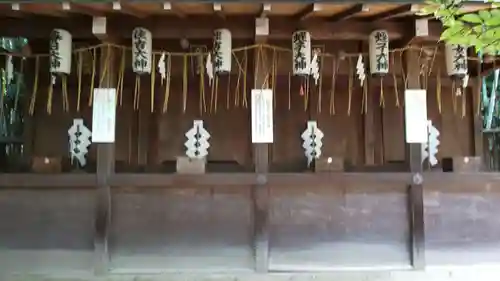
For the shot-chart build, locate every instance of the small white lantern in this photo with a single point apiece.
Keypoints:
(379, 52)
(301, 45)
(60, 51)
(222, 51)
(142, 50)
(456, 60)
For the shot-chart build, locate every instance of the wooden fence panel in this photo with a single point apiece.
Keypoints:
(48, 231)
(462, 224)
(338, 227)
(181, 229)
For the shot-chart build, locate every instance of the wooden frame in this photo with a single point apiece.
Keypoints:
(260, 181)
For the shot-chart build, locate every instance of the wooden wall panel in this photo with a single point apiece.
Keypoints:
(462, 224)
(181, 229)
(229, 128)
(393, 124)
(342, 130)
(324, 228)
(46, 231)
(289, 123)
(154, 138)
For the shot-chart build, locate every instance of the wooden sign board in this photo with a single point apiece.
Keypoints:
(262, 116)
(104, 115)
(416, 116)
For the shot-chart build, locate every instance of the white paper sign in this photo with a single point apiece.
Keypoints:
(104, 115)
(416, 116)
(262, 116)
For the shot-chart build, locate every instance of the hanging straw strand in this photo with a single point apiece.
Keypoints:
(438, 90)
(228, 90)
(335, 67)
(237, 89)
(185, 77)
(80, 73)
(350, 81)
(454, 96)
(153, 86)
(320, 86)
(245, 100)
(216, 93)
(289, 90)
(35, 87)
(395, 80)
(121, 76)
(92, 80)
(382, 98)
(64, 82)
(18, 86)
(49, 98)
(167, 84)
(364, 107)
(464, 103)
(203, 102)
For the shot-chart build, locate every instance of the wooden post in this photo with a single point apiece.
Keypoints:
(105, 168)
(369, 132)
(29, 121)
(477, 120)
(415, 195)
(260, 192)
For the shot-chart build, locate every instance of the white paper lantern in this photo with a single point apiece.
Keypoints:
(142, 50)
(301, 45)
(222, 51)
(379, 52)
(60, 51)
(456, 60)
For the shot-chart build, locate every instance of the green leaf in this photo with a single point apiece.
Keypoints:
(494, 21)
(472, 18)
(485, 15)
(451, 32)
(495, 13)
(427, 10)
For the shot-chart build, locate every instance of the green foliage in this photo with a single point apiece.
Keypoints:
(480, 30)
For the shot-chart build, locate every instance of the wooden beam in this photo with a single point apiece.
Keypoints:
(47, 181)
(238, 180)
(347, 13)
(11, 11)
(392, 13)
(260, 192)
(218, 10)
(80, 9)
(264, 11)
(167, 6)
(172, 27)
(306, 11)
(415, 192)
(39, 9)
(126, 9)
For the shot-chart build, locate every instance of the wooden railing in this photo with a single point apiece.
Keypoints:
(303, 211)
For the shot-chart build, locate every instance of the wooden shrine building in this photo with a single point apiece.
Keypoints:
(191, 140)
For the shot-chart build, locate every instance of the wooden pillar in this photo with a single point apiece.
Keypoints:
(29, 121)
(477, 117)
(260, 192)
(415, 194)
(369, 132)
(105, 167)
